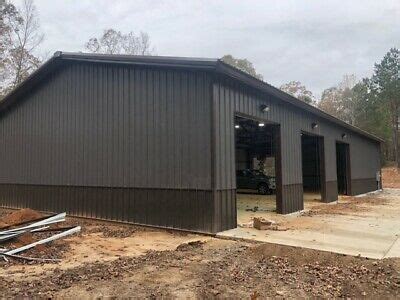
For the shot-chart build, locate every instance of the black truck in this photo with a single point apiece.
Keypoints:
(255, 180)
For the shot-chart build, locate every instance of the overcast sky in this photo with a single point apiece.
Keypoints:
(315, 42)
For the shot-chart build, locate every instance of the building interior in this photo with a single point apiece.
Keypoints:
(255, 153)
(255, 162)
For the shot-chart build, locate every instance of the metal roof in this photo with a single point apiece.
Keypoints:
(207, 64)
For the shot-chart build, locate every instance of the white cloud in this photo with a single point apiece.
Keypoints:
(315, 42)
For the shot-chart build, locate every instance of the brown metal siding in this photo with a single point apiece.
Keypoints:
(113, 142)
(231, 98)
(184, 209)
(361, 186)
(225, 212)
(110, 126)
(150, 145)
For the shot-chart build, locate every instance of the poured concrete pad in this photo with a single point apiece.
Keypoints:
(250, 205)
(370, 230)
(394, 250)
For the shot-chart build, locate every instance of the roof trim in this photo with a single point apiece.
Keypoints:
(206, 64)
(164, 61)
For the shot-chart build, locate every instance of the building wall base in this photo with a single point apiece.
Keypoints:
(361, 186)
(170, 208)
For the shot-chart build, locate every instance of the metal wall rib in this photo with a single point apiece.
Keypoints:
(111, 126)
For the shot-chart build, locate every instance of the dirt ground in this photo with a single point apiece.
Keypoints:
(119, 260)
(115, 260)
(390, 177)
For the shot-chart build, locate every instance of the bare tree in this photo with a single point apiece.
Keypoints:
(137, 44)
(115, 42)
(331, 101)
(339, 100)
(242, 64)
(8, 14)
(23, 37)
(348, 82)
(296, 89)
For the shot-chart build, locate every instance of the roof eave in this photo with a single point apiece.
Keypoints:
(233, 72)
(157, 61)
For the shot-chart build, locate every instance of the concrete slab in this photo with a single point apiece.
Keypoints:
(368, 230)
(250, 205)
(394, 250)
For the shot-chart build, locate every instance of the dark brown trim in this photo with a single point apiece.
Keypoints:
(331, 194)
(292, 196)
(278, 169)
(213, 137)
(321, 153)
(362, 186)
(225, 210)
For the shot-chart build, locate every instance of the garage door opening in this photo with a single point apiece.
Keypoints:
(255, 162)
(343, 168)
(312, 167)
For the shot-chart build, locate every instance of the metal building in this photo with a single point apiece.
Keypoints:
(151, 140)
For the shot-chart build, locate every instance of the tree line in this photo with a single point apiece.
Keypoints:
(371, 104)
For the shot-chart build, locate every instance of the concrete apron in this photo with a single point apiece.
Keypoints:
(373, 234)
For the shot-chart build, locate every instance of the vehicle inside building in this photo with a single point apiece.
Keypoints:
(255, 149)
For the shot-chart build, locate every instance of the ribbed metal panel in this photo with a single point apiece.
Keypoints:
(113, 142)
(365, 185)
(152, 145)
(232, 98)
(110, 126)
(184, 209)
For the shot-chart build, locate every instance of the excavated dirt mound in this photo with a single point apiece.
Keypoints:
(22, 215)
(48, 250)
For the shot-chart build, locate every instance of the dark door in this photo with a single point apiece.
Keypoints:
(343, 168)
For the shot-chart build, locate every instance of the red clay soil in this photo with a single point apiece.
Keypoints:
(26, 215)
(390, 177)
(218, 270)
(22, 215)
(346, 206)
(25, 239)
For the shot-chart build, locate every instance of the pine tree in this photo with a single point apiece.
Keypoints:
(386, 80)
